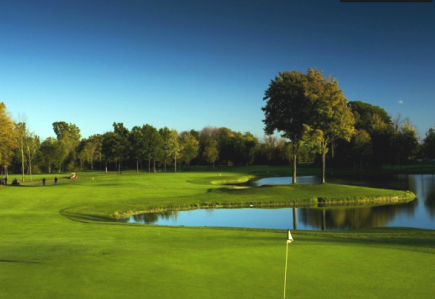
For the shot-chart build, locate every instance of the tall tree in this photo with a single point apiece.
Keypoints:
(174, 147)
(361, 145)
(190, 147)
(69, 136)
(98, 140)
(404, 143)
(122, 144)
(333, 119)
(153, 145)
(211, 150)
(137, 141)
(22, 134)
(429, 144)
(32, 147)
(169, 146)
(53, 153)
(8, 141)
(288, 110)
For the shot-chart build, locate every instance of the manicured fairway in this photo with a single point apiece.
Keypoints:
(44, 254)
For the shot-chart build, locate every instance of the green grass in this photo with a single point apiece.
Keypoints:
(44, 254)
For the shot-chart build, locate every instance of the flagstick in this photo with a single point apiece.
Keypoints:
(289, 240)
(285, 272)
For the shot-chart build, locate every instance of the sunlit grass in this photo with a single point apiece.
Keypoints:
(44, 254)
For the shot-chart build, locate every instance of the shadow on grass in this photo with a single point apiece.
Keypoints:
(12, 261)
(86, 217)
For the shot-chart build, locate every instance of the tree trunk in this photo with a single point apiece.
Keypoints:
(30, 169)
(154, 165)
(137, 166)
(22, 165)
(323, 167)
(105, 166)
(119, 167)
(149, 167)
(165, 166)
(175, 165)
(295, 162)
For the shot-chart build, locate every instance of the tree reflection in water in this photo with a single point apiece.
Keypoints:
(149, 218)
(429, 200)
(417, 213)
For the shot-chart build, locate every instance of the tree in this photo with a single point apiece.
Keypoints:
(32, 147)
(170, 146)
(429, 144)
(109, 148)
(53, 153)
(332, 118)
(211, 150)
(174, 147)
(97, 139)
(21, 136)
(361, 145)
(86, 151)
(190, 146)
(404, 142)
(137, 141)
(288, 110)
(121, 146)
(69, 136)
(8, 141)
(152, 146)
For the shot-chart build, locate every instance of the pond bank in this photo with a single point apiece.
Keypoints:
(308, 195)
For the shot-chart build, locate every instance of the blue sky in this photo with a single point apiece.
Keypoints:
(191, 64)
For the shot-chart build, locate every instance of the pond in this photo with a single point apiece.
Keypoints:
(419, 213)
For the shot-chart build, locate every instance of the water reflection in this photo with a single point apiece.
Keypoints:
(149, 218)
(410, 214)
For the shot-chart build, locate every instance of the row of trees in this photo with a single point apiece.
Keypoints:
(22, 150)
(315, 120)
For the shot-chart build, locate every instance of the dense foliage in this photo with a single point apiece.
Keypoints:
(309, 110)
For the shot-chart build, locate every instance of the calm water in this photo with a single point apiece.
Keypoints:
(419, 213)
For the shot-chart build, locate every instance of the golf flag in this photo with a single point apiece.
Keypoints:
(289, 237)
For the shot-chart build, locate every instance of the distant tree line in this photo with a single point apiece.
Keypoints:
(316, 122)
(141, 147)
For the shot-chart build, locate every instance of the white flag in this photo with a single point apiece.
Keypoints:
(289, 237)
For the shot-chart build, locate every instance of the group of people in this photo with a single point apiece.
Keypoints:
(44, 180)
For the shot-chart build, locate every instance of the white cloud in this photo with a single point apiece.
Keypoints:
(400, 102)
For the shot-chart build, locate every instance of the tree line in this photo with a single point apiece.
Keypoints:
(141, 147)
(317, 124)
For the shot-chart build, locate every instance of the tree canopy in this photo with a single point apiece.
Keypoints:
(307, 108)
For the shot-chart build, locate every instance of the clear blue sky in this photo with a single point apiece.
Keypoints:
(191, 64)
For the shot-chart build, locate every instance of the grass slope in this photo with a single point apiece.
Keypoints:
(46, 255)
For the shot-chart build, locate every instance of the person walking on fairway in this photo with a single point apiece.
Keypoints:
(55, 180)
(43, 182)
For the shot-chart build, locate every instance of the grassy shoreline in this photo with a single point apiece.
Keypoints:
(220, 195)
